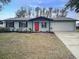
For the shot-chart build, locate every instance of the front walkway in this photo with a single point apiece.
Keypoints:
(71, 40)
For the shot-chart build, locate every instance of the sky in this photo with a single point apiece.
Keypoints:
(9, 10)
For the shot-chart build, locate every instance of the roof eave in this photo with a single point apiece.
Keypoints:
(64, 20)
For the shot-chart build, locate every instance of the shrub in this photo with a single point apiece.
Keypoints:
(1, 29)
(30, 29)
(4, 29)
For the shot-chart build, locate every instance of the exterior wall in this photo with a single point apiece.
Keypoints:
(40, 28)
(29, 25)
(3, 25)
(12, 29)
(51, 26)
(44, 29)
(64, 26)
(54, 26)
(17, 28)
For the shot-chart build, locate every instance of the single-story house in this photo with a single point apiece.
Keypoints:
(40, 24)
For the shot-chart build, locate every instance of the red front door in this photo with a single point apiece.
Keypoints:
(36, 26)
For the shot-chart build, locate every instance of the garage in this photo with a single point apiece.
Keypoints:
(64, 24)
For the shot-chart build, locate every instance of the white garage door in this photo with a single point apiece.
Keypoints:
(64, 26)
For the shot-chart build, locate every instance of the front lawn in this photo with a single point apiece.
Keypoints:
(32, 46)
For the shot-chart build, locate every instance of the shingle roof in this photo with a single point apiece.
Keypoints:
(17, 18)
(53, 19)
(63, 18)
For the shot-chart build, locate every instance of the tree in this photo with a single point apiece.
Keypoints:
(43, 11)
(57, 12)
(47, 14)
(21, 12)
(3, 2)
(73, 5)
(37, 9)
(50, 12)
(40, 12)
(29, 12)
(63, 13)
(18, 14)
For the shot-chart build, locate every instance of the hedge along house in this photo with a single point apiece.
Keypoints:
(40, 24)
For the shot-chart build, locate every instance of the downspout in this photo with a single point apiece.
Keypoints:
(49, 25)
(32, 25)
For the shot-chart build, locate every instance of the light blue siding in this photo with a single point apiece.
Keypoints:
(40, 27)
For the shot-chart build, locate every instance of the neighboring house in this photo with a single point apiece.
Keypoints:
(77, 17)
(2, 24)
(40, 24)
(77, 25)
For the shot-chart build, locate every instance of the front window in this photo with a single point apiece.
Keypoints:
(1, 22)
(10, 24)
(22, 24)
(44, 24)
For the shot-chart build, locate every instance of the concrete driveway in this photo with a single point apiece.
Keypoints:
(71, 40)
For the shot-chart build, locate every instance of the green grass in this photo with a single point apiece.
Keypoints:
(32, 46)
(5, 36)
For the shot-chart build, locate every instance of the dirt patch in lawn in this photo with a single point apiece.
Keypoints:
(32, 46)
